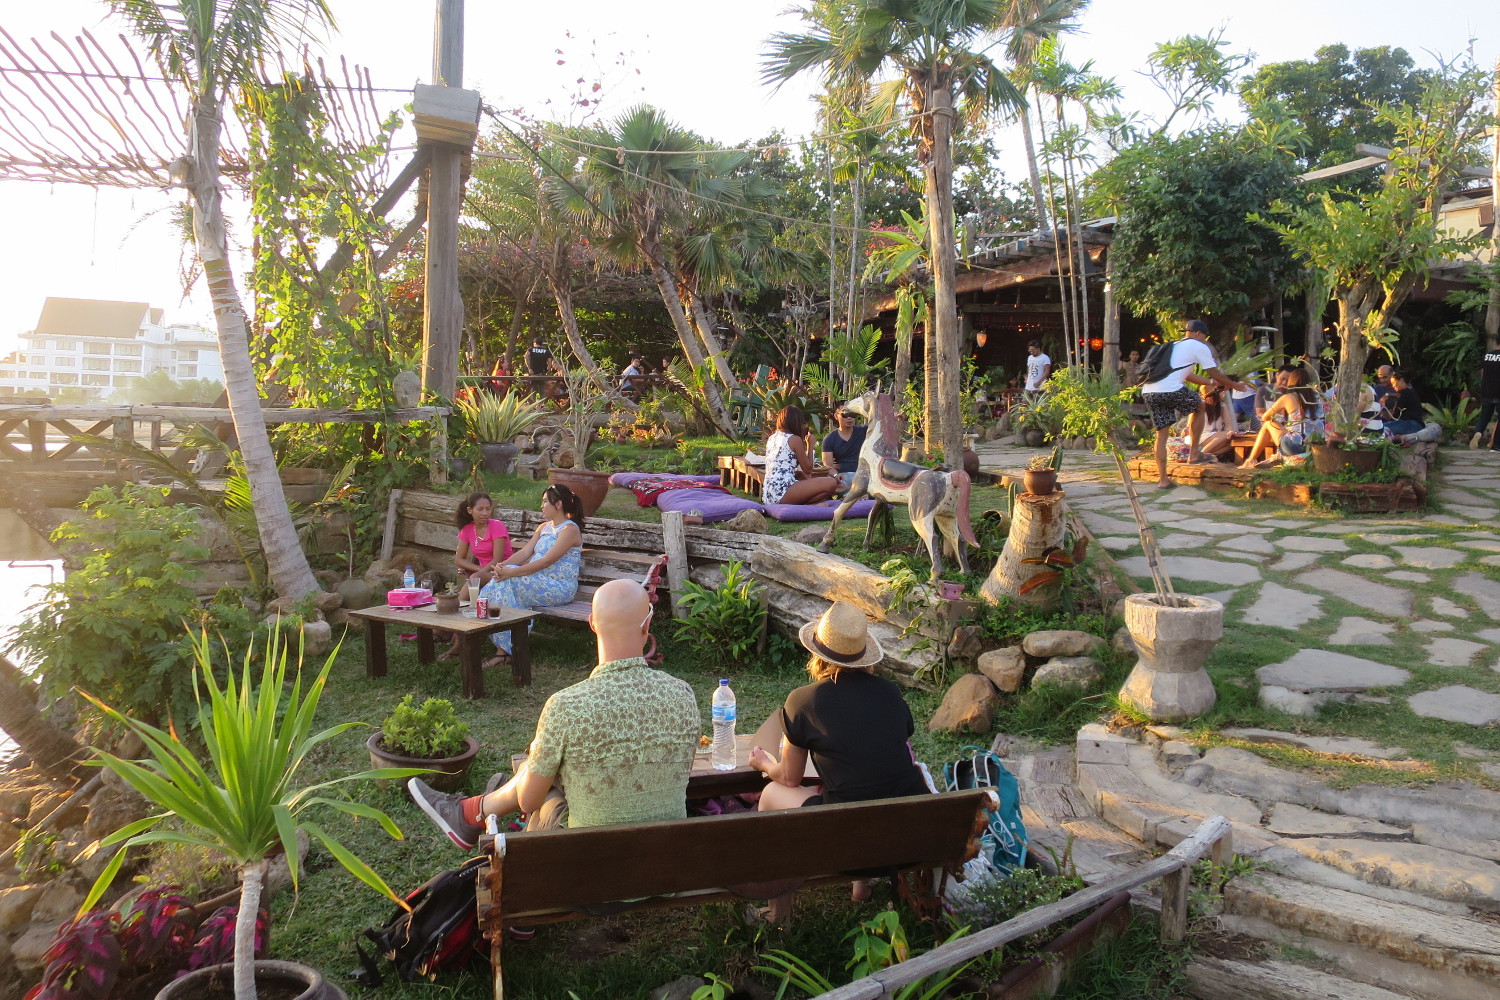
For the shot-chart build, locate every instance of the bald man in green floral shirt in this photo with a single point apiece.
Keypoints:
(613, 748)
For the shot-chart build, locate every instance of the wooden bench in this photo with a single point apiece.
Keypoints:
(598, 566)
(560, 875)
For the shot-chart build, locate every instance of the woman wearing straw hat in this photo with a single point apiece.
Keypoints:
(854, 725)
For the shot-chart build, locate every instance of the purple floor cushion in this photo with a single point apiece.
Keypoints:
(716, 505)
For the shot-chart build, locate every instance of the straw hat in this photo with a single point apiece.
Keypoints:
(842, 637)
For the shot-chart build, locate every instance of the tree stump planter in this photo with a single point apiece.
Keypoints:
(1169, 683)
(1330, 460)
(1038, 524)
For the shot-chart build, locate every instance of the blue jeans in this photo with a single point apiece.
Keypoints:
(1403, 426)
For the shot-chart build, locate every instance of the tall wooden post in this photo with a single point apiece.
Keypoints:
(1110, 361)
(1492, 314)
(443, 308)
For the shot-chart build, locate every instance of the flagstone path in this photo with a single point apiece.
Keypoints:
(1410, 592)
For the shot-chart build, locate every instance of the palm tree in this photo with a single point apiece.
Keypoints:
(214, 50)
(651, 180)
(937, 52)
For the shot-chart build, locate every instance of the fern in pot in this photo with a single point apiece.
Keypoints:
(247, 803)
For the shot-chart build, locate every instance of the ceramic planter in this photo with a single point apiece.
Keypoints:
(499, 456)
(949, 590)
(1169, 683)
(1040, 482)
(450, 771)
(289, 980)
(447, 604)
(590, 486)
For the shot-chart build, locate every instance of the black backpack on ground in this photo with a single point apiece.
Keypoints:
(440, 932)
(1159, 362)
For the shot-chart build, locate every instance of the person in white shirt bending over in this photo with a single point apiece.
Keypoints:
(1038, 368)
(1169, 396)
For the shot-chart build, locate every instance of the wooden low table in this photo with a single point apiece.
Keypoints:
(471, 633)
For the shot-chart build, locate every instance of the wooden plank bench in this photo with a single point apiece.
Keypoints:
(737, 474)
(553, 876)
(599, 566)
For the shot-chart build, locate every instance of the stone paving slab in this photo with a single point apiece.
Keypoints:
(1361, 632)
(1195, 568)
(1482, 544)
(1450, 652)
(1475, 512)
(1294, 561)
(1385, 538)
(1408, 576)
(1282, 522)
(1312, 677)
(1368, 560)
(1290, 820)
(1115, 544)
(1204, 526)
(1182, 540)
(1283, 607)
(1446, 608)
(1296, 544)
(1427, 625)
(1249, 543)
(1430, 556)
(1322, 744)
(1101, 524)
(1378, 597)
(1457, 703)
(1482, 590)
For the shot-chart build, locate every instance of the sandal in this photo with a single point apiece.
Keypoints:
(500, 659)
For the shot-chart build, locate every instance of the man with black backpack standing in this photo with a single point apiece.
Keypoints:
(1168, 395)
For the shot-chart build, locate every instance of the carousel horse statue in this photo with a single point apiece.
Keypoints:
(938, 502)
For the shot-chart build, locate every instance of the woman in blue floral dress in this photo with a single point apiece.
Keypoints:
(545, 570)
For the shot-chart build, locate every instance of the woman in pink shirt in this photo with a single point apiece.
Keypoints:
(483, 544)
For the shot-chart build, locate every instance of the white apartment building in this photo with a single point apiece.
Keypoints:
(102, 346)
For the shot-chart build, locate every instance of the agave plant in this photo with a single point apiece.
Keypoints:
(499, 419)
(247, 804)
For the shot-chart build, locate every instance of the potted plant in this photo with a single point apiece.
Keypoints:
(496, 422)
(1041, 472)
(585, 404)
(1170, 684)
(430, 736)
(447, 601)
(247, 803)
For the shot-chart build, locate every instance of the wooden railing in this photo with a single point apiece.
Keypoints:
(1213, 837)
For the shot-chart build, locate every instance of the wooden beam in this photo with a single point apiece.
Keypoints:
(1323, 173)
(674, 544)
(345, 253)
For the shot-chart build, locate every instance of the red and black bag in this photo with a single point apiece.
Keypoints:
(441, 931)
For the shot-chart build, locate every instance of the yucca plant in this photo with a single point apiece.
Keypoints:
(499, 419)
(247, 802)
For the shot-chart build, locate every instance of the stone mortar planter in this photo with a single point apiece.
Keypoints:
(499, 456)
(1169, 682)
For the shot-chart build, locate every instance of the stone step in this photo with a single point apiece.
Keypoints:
(1227, 979)
(1421, 952)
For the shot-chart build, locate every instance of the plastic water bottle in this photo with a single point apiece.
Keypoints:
(724, 713)
(409, 579)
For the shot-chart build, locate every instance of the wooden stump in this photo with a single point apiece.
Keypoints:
(1037, 524)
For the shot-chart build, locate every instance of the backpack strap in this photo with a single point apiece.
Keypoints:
(368, 975)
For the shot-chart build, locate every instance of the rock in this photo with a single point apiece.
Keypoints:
(326, 601)
(57, 903)
(969, 704)
(406, 387)
(1068, 671)
(113, 808)
(1122, 642)
(279, 874)
(328, 579)
(356, 593)
(27, 950)
(967, 642)
(1062, 642)
(750, 521)
(9, 834)
(812, 534)
(1291, 820)
(679, 989)
(317, 638)
(15, 802)
(1417, 868)
(16, 905)
(1003, 667)
(1175, 753)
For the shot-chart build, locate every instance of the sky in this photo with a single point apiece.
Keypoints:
(699, 60)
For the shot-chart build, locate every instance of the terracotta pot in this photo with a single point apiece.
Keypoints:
(1168, 683)
(1330, 461)
(590, 486)
(1040, 482)
(447, 604)
(499, 456)
(451, 771)
(291, 980)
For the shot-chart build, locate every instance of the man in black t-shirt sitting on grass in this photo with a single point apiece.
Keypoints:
(842, 445)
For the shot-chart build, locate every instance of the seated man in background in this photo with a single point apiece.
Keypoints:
(841, 447)
(619, 743)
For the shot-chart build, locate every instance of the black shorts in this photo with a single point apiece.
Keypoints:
(1166, 407)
